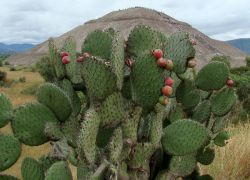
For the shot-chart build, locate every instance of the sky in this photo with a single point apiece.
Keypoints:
(32, 21)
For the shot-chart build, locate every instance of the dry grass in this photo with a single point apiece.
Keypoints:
(232, 162)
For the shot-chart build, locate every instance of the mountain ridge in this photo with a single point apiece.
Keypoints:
(241, 43)
(15, 48)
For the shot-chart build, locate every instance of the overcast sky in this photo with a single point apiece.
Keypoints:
(33, 21)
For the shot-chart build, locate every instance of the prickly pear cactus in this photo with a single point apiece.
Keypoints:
(143, 113)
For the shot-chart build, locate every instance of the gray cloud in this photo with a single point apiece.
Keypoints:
(34, 21)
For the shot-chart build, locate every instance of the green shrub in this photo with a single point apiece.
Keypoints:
(46, 69)
(12, 68)
(248, 61)
(22, 79)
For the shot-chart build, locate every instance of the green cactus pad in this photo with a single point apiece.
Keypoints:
(10, 149)
(52, 131)
(99, 79)
(31, 169)
(182, 165)
(147, 80)
(66, 85)
(56, 60)
(189, 74)
(112, 111)
(183, 137)
(46, 161)
(71, 130)
(156, 131)
(202, 112)
(164, 175)
(117, 59)
(130, 125)
(73, 70)
(176, 84)
(141, 154)
(115, 145)
(213, 76)
(219, 124)
(187, 94)
(176, 113)
(126, 88)
(98, 43)
(5, 110)
(205, 156)
(88, 134)
(179, 49)
(143, 40)
(59, 171)
(29, 123)
(56, 100)
(220, 139)
(7, 177)
(223, 101)
(103, 136)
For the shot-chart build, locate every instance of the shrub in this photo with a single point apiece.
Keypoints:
(46, 69)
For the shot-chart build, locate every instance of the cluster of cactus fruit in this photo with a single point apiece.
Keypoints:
(104, 114)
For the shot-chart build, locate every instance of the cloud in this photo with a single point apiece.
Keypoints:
(29, 21)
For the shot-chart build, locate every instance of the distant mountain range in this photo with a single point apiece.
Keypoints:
(14, 48)
(242, 44)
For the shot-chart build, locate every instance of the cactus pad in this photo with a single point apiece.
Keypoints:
(223, 101)
(23, 125)
(99, 79)
(98, 43)
(220, 139)
(59, 171)
(56, 100)
(56, 60)
(112, 111)
(202, 112)
(73, 70)
(5, 110)
(88, 134)
(147, 80)
(179, 49)
(115, 145)
(10, 149)
(143, 40)
(183, 137)
(187, 94)
(182, 165)
(7, 177)
(74, 99)
(31, 169)
(205, 156)
(213, 76)
(176, 113)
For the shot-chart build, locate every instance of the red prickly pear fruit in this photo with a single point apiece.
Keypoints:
(86, 55)
(169, 81)
(157, 53)
(230, 83)
(62, 54)
(129, 62)
(192, 63)
(167, 90)
(80, 59)
(169, 65)
(163, 100)
(65, 60)
(161, 62)
(194, 42)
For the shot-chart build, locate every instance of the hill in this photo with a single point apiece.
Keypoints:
(243, 44)
(14, 48)
(124, 21)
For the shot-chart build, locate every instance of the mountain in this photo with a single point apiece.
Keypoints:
(124, 21)
(14, 48)
(243, 44)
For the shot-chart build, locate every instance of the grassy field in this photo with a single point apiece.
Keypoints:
(232, 162)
